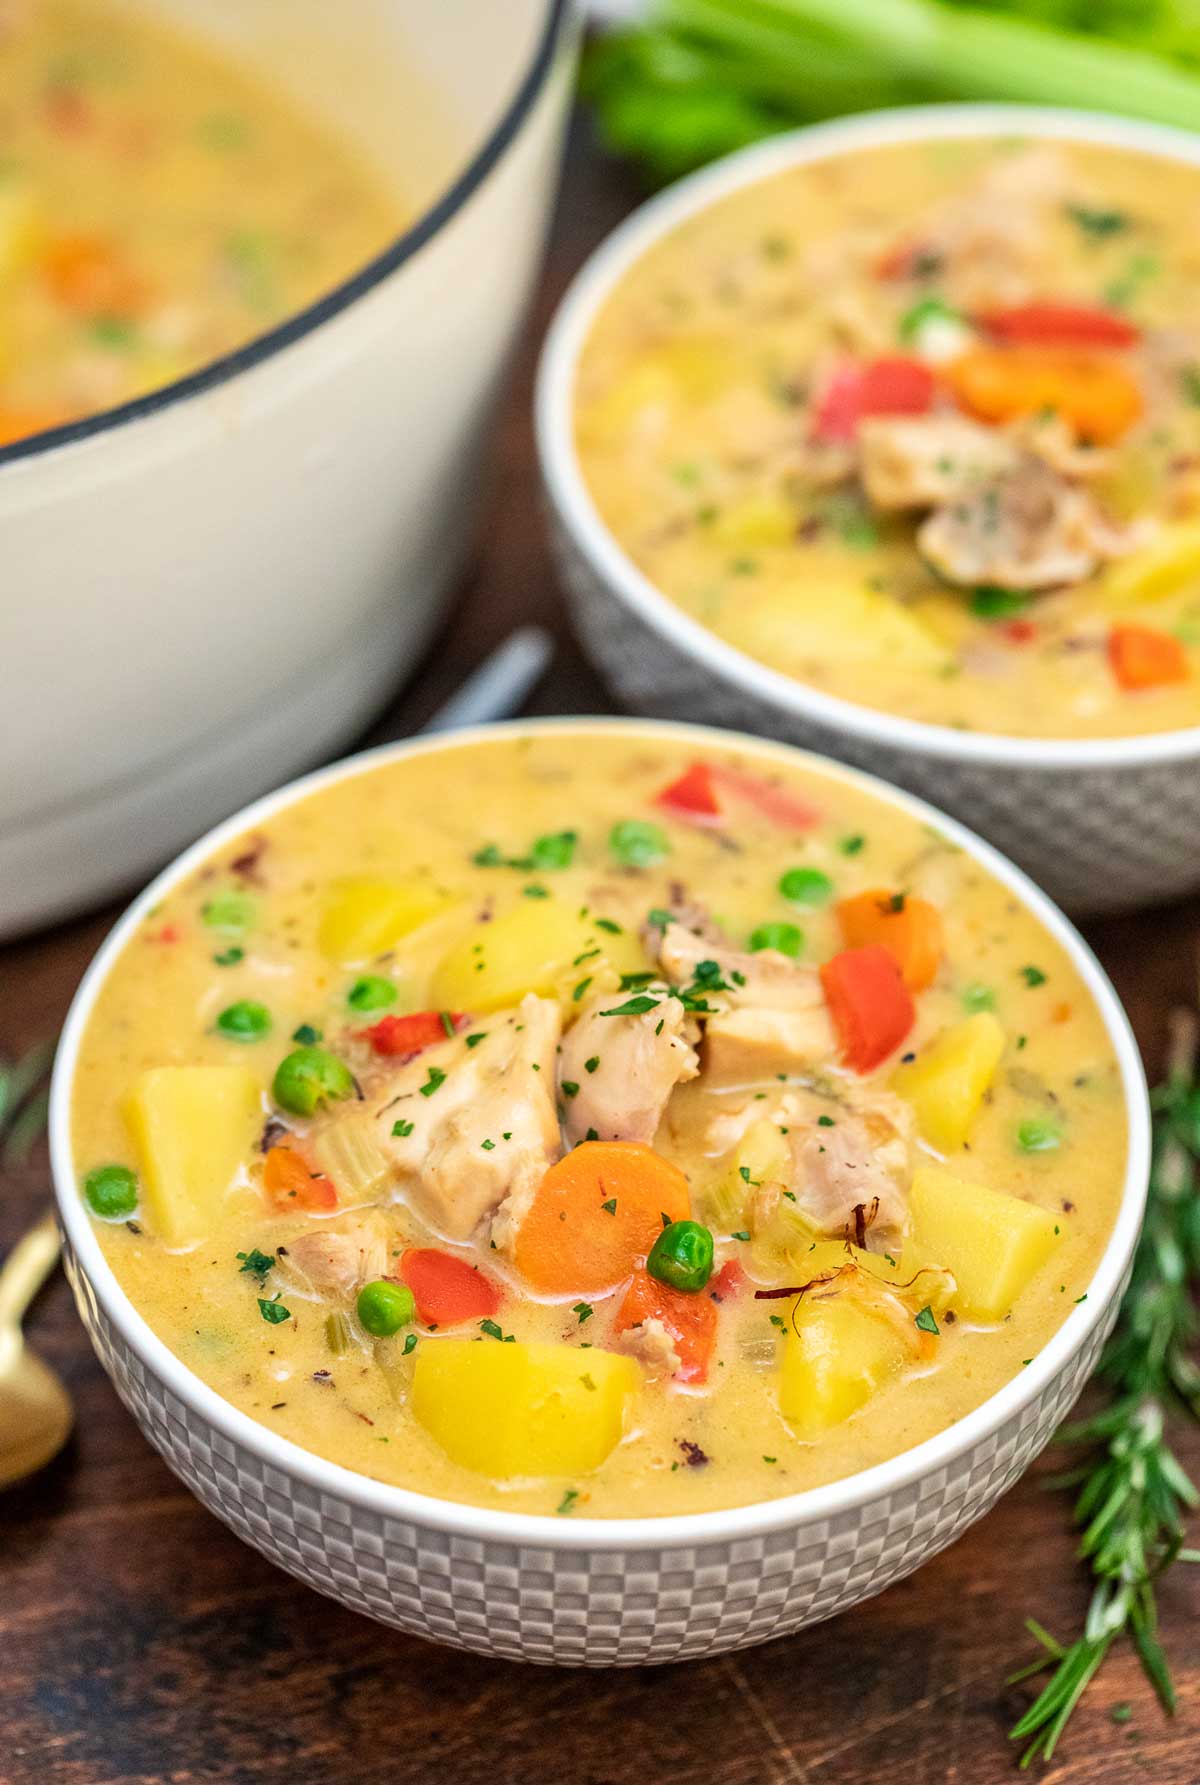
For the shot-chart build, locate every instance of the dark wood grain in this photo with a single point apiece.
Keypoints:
(141, 1641)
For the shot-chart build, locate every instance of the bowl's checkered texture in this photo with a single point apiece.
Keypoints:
(600, 1606)
(1096, 839)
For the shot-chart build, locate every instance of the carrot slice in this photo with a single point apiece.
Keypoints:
(409, 1034)
(910, 929)
(870, 1004)
(446, 1289)
(1061, 325)
(89, 276)
(691, 1320)
(1143, 657)
(1091, 391)
(289, 1183)
(693, 796)
(595, 1214)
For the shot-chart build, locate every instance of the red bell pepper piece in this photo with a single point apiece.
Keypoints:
(446, 1289)
(409, 1034)
(1143, 657)
(895, 386)
(871, 1007)
(691, 1321)
(693, 796)
(773, 801)
(1061, 325)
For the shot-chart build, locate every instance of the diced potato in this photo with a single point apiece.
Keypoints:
(1169, 564)
(18, 226)
(535, 946)
(949, 1079)
(994, 1244)
(192, 1127)
(522, 1409)
(693, 369)
(835, 1354)
(834, 623)
(365, 916)
(755, 521)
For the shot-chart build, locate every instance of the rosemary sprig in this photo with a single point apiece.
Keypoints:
(1133, 1493)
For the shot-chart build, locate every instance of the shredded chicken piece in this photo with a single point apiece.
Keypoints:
(502, 1092)
(335, 1257)
(861, 1162)
(990, 240)
(1052, 439)
(1029, 529)
(922, 461)
(652, 1345)
(625, 1067)
(743, 1046)
(765, 980)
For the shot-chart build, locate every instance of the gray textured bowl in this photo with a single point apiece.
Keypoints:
(1102, 824)
(594, 1591)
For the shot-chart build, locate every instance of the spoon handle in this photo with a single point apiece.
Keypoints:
(26, 1268)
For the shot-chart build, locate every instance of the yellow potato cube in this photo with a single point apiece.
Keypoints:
(949, 1079)
(522, 1409)
(993, 1243)
(761, 520)
(365, 916)
(192, 1127)
(19, 224)
(836, 1353)
(834, 622)
(535, 946)
(1169, 564)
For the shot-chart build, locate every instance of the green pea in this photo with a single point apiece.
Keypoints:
(637, 843)
(310, 1077)
(244, 1021)
(682, 1256)
(976, 997)
(230, 911)
(784, 937)
(371, 993)
(383, 1307)
(1038, 1135)
(111, 1192)
(806, 886)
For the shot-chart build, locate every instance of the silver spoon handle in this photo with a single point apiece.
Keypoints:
(500, 684)
(26, 1268)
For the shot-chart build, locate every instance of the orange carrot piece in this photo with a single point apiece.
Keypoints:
(289, 1183)
(870, 1004)
(89, 276)
(910, 929)
(595, 1214)
(1092, 391)
(691, 1320)
(1144, 657)
(446, 1289)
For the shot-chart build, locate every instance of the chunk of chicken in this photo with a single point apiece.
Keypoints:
(652, 1345)
(990, 241)
(852, 1174)
(765, 980)
(743, 1046)
(334, 1257)
(625, 1067)
(500, 1092)
(922, 461)
(1028, 529)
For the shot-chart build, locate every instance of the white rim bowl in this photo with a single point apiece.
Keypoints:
(564, 479)
(590, 1533)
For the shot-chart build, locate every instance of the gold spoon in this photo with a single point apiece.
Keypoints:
(35, 1409)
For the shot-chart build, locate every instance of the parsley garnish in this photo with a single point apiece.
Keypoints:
(488, 1146)
(256, 1262)
(852, 845)
(610, 1207)
(410, 1343)
(493, 1332)
(632, 1007)
(273, 1312)
(567, 1503)
(306, 1035)
(436, 1077)
(229, 957)
(1033, 976)
(569, 1088)
(591, 1065)
(474, 1040)
(926, 1321)
(584, 1310)
(402, 1130)
(606, 923)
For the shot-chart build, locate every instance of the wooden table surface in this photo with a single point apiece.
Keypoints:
(140, 1640)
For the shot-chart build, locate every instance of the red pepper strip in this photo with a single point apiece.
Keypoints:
(693, 796)
(895, 386)
(1062, 325)
(691, 1321)
(446, 1289)
(1019, 632)
(871, 1007)
(773, 801)
(409, 1034)
(1143, 657)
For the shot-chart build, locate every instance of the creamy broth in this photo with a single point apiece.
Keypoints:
(478, 831)
(919, 425)
(159, 207)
